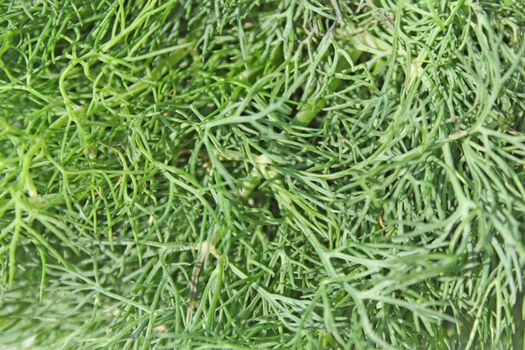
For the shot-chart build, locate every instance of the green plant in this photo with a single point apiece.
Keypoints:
(262, 174)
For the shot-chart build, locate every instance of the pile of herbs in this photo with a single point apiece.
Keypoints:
(234, 174)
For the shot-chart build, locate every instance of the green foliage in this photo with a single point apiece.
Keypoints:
(262, 174)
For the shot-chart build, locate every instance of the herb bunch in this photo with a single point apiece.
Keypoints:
(262, 174)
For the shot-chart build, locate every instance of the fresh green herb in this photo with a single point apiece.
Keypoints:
(246, 174)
